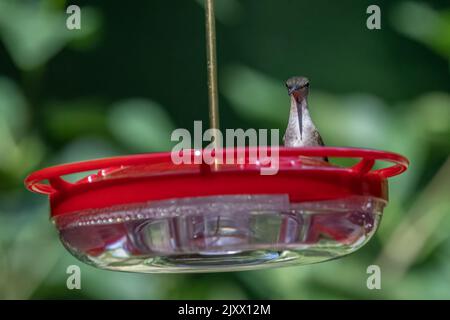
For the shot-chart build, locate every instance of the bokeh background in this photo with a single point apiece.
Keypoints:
(136, 70)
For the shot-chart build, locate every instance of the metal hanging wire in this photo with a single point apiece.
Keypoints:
(211, 58)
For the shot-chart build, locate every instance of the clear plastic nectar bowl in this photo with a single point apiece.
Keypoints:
(219, 233)
(144, 214)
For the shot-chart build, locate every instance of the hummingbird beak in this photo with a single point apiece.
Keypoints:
(295, 105)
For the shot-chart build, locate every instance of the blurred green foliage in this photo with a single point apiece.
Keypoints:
(134, 72)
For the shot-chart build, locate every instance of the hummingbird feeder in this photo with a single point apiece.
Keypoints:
(143, 213)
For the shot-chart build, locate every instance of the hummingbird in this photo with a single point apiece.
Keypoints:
(301, 130)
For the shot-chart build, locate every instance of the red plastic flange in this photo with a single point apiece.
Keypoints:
(151, 177)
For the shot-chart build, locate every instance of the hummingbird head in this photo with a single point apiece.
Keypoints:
(298, 87)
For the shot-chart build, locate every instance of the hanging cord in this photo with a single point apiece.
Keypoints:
(211, 58)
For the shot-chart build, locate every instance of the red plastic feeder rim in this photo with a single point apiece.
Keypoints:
(151, 177)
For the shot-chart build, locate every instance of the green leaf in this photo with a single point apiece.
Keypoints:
(142, 125)
(255, 96)
(33, 32)
(424, 24)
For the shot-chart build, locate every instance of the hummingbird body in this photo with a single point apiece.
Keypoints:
(301, 130)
